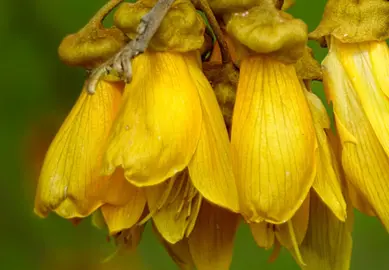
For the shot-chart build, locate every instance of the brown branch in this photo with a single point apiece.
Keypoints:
(204, 6)
(121, 62)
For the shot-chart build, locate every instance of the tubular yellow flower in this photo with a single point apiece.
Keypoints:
(70, 182)
(353, 82)
(170, 119)
(273, 140)
(158, 128)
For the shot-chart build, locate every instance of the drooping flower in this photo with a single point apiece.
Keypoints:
(171, 141)
(70, 182)
(356, 75)
(273, 138)
(170, 119)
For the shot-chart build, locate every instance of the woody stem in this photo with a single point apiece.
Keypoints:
(121, 62)
(102, 13)
(204, 6)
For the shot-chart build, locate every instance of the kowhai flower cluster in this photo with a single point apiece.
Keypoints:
(208, 134)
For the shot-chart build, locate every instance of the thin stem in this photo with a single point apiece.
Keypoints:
(204, 6)
(121, 62)
(103, 12)
(150, 24)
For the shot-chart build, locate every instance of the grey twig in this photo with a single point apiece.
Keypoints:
(121, 62)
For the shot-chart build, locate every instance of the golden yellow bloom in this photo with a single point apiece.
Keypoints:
(71, 183)
(273, 141)
(273, 138)
(356, 83)
(170, 120)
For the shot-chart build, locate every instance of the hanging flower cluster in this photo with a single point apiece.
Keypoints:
(208, 134)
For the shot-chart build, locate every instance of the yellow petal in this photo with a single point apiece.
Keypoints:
(119, 218)
(212, 240)
(364, 161)
(211, 168)
(273, 141)
(179, 252)
(292, 233)
(327, 244)
(174, 206)
(327, 183)
(118, 191)
(158, 126)
(359, 202)
(367, 65)
(70, 182)
(263, 234)
(300, 225)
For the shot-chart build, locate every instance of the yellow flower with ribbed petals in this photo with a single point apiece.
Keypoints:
(71, 183)
(355, 83)
(273, 138)
(170, 119)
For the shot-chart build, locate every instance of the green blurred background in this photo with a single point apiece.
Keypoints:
(37, 91)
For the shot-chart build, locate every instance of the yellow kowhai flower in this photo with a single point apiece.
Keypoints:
(169, 119)
(70, 182)
(356, 71)
(355, 82)
(170, 139)
(273, 138)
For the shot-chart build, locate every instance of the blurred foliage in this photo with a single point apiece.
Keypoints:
(37, 90)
